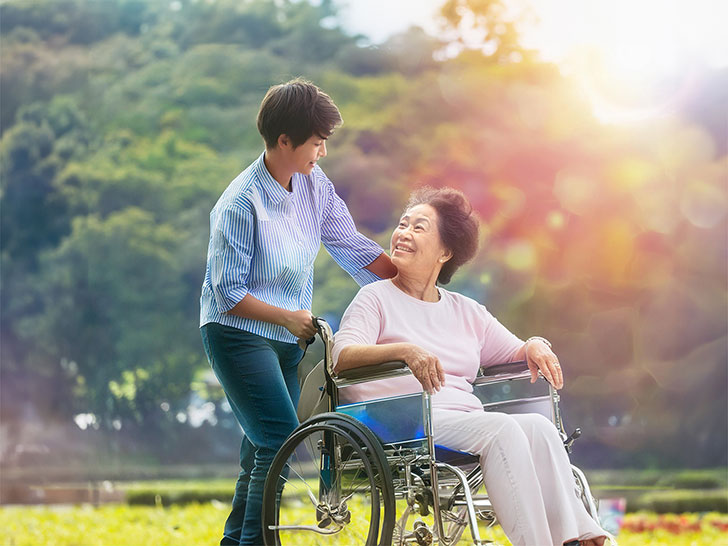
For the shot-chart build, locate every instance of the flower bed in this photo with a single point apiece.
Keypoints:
(647, 522)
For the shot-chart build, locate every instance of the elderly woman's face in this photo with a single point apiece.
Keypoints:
(416, 243)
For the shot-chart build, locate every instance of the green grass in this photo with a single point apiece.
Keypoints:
(193, 524)
(192, 511)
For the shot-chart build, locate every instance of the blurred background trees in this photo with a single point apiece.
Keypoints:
(121, 122)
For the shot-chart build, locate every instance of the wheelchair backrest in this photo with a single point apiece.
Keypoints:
(313, 399)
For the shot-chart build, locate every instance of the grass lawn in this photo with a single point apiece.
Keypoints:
(193, 524)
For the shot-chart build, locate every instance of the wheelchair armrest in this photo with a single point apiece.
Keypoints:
(502, 372)
(372, 373)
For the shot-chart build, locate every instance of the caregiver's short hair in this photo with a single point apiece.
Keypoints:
(299, 110)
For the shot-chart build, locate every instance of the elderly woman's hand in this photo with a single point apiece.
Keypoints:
(425, 367)
(539, 356)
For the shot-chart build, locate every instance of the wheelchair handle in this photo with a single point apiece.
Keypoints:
(317, 325)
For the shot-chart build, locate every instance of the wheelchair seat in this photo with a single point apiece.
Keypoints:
(455, 458)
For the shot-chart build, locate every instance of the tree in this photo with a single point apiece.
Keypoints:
(485, 25)
(113, 297)
(123, 121)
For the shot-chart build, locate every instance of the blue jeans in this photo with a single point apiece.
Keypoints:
(260, 379)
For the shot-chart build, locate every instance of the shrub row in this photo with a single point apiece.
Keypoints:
(166, 497)
(716, 478)
(661, 502)
(681, 500)
(696, 479)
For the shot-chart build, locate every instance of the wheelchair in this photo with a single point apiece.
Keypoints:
(369, 473)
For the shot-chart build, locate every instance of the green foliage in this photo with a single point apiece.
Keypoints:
(167, 494)
(178, 492)
(696, 479)
(28, 170)
(77, 21)
(682, 500)
(98, 312)
(122, 121)
(713, 498)
(709, 478)
(488, 21)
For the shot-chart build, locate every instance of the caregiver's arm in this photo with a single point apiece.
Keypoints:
(299, 323)
(425, 366)
(382, 267)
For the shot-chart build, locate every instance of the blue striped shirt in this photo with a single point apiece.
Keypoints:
(264, 240)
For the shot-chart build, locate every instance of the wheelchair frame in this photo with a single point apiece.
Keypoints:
(406, 470)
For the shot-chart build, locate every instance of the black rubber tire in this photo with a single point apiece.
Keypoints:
(379, 464)
(315, 439)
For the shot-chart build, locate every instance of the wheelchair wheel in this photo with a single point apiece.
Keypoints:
(380, 466)
(321, 490)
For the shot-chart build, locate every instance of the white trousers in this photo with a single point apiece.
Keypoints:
(527, 474)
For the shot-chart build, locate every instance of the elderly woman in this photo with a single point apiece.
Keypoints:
(444, 337)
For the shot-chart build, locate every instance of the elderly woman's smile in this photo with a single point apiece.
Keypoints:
(416, 236)
(402, 248)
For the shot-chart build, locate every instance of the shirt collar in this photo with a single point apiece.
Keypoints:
(270, 185)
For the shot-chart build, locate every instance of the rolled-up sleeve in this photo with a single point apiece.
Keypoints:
(360, 325)
(232, 233)
(349, 248)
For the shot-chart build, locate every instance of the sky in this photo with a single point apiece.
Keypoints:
(629, 33)
(643, 51)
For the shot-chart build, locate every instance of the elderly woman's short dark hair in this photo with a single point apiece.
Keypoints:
(457, 225)
(298, 109)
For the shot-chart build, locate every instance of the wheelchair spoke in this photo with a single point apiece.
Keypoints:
(321, 486)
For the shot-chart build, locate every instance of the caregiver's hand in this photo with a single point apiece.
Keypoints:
(299, 323)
